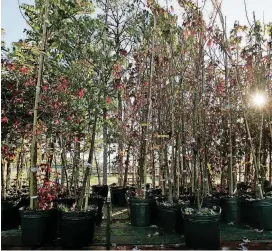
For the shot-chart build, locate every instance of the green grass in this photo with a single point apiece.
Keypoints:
(110, 179)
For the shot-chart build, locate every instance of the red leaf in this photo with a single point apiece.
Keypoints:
(123, 52)
(80, 92)
(108, 100)
(24, 70)
(45, 88)
(11, 67)
(210, 43)
(4, 120)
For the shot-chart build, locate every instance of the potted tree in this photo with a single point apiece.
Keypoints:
(39, 225)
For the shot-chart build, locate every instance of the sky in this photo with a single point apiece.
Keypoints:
(14, 24)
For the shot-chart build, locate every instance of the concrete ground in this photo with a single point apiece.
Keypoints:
(127, 237)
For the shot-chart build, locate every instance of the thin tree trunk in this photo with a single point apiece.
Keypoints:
(153, 170)
(33, 160)
(98, 172)
(105, 149)
(144, 143)
(64, 174)
(76, 165)
(176, 168)
(86, 180)
(247, 167)
(3, 181)
(168, 178)
(126, 167)
(19, 171)
(8, 176)
(162, 169)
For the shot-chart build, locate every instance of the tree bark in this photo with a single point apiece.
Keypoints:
(105, 149)
(86, 180)
(3, 181)
(8, 176)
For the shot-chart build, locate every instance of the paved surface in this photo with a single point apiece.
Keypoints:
(127, 237)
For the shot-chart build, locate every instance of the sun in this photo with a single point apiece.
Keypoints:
(259, 99)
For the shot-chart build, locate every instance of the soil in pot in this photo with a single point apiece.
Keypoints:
(118, 196)
(38, 227)
(78, 228)
(140, 212)
(230, 209)
(10, 216)
(260, 213)
(101, 190)
(202, 229)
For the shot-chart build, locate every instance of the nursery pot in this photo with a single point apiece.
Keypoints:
(244, 211)
(140, 212)
(38, 227)
(101, 190)
(78, 228)
(230, 209)
(99, 202)
(10, 216)
(202, 231)
(67, 202)
(170, 219)
(118, 196)
(260, 213)
(154, 217)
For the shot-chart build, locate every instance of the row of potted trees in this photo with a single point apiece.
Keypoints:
(56, 215)
(198, 217)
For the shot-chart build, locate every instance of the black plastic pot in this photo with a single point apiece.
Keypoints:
(99, 202)
(118, 196)
(170, 219)
(65, 201)
(244, 211)
(78, 228)
(10, 216)
(230, 209)
(260, 213)
(154, 212)
(202, 231)
(140, 212)
(38, 227)
(101, 190)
